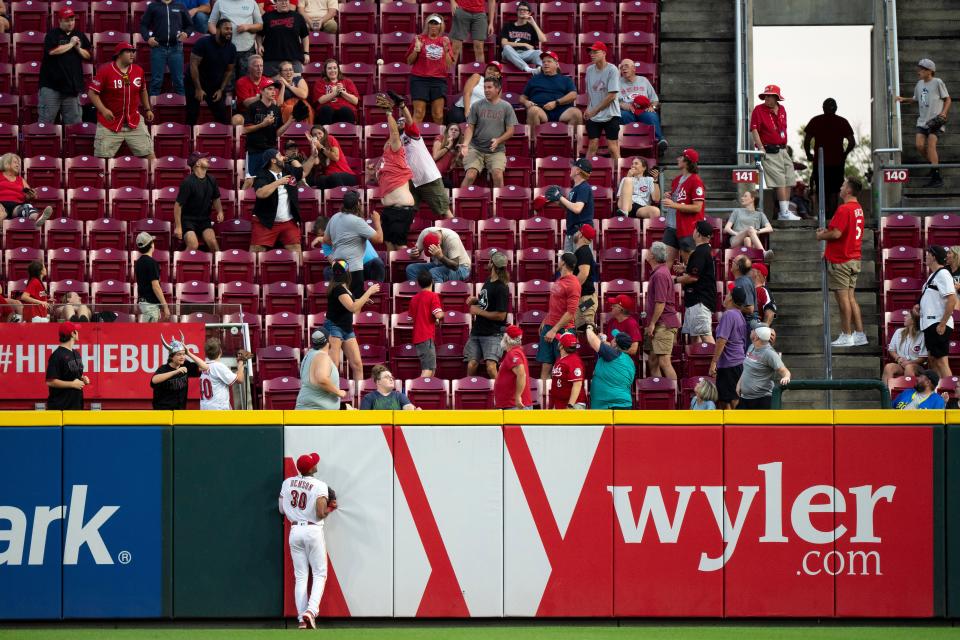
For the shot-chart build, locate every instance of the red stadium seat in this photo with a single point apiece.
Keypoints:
(59, 288)
(43, 171)
(687, 385)
(394, 76)
(67, 263)
(283, 296)
(357, 46)
(553, 170)
(471, 202)
(403, 293)
(497, 232)
(450, 363)
(637, 139)
(245, 294)
(234, 234)
(637, 15)
(357, 16)
(653, 229)
(195, 292)
(223, 170)
(371, 355)
(428, 393)
(162, 202)
(656, 393)
(534, 295)
(463, 228)
(943, 229)
(370, 327)
(29, 15)
(63, 232)
(278, 360)
(558, 16)
(86, 203)
(902, 262)
(901, 293)
(9, 142)
(17, 259)
(215, 139)
(86, 171)
(234, 265)
(277, 265)
(900, 384)
(281, 393)
(41, 139)
(192, 265)
(285, 328)
(698, 356)
(639, 46)
(159, 229)
(454, 294)
(900, 230)
(106, 233)
(129, 203)
(111, 292)
(620, 232)
(314, 263)
(519, 144)
(110, 15)
(511, 202)
(316, 295)
(473, 393)
(401, 328)
(172, 139)
(28, 45)
(529, 322)
(554, 139)
(481, 263)
(9, 107)
(585, 40)
(169, 171)
(110, 264)
(598, 16)
(394, 45)
(397, 16)
(323, 45)
(536, 263)
(620, 263)
(404, 361)
(613, 288)
(539, 232)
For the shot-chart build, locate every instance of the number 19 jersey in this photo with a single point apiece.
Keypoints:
(298, 498)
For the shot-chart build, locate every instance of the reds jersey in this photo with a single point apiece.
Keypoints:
(298, 498)
(771, 126)
(215, 387)
(849, 220)
(565, 372)
(688, 191)
(120, 93)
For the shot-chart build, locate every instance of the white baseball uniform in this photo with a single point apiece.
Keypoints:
(298, 502)
(215, 387)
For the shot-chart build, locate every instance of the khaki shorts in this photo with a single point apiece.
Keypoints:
(843, 275)
(583, 318)
(149, 312)
(480, 160)
(663, 339)
(697, 320)
(778, 170)
(106, 143)
(434, 194)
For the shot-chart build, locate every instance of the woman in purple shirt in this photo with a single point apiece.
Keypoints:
(732, 337)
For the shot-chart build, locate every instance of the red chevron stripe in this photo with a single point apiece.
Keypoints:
(533, 490)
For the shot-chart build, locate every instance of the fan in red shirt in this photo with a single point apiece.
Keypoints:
(511, 388)
(335, 97)
(249, 86)
(687, 199)
(426, 311)
(117, 91)
(568, 390)
(36, 305)
(561, 311)
(768, 129)
(393, 176)
(431, 54)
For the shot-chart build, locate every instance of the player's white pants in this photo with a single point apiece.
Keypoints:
(309, 553)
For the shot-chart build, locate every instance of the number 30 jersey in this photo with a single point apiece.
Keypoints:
(298, 498)
(215, 386)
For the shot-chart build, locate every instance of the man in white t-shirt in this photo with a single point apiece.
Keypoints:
(304, 502)
(938, 299)
(427, 181)
(216, 382)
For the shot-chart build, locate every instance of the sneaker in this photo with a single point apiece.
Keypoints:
(845, 340)
(661, 147)
(935, 182)
(860, 339)
(14, 317)
(789, 215)
(302, 625)
(768, 255)
(310, 621)
(43, 217)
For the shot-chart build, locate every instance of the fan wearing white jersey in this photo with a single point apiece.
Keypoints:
(303, 501)
(215, 382)
(427, 181)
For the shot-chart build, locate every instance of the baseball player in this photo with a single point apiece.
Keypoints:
(215, 383)
(304, 502)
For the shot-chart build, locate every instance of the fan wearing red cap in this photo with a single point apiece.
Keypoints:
(305, 501)
(447, 259)
(521, 40)
(191, 211)
(61, 75)
(65, 379)
(511, 388)
(622, 309)
(585, 272)
(118, 91)
(766, 305)
(568, 390)
(684, 206)
(602, 115)
(768, 128)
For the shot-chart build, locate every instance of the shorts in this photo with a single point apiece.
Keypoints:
(469, 24)
(287, 233)
(149, 312)
(489, 160)
(197, 225)
(106, 143)
(427, 89)
(755, 403)
(583, 318)
(396, 221)
(663, 339)
(671, 239)
(554, 115)
(548, 352)
(434, 194)
(335, 331)
(778, 170)
(427, 352)
(938, 131)
(727, 379)
(697, 320)
(938, 346)
(483, 348)
(843, 275)
(610, 129)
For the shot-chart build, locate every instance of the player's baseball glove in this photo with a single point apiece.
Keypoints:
(331, 499)
(384, 101)
(398, 99)
(936, 124)
(552, 193)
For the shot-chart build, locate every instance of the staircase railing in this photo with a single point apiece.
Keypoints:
(892, 73)
(824, 285)
(742, 49)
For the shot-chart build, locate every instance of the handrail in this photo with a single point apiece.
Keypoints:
(776, 401)
(824, 288)
(894, 121)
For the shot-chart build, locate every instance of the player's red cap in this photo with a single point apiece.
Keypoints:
(430, 240)
(307, 461)
(121, 47)
(771, 90)
(598, 46)
(625, 301)
(759, 267)
(691, 154)
(514, 332)
(65, 13)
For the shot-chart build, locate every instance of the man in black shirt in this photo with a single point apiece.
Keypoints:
(262, 124)
(61, 71)
(489, 312)
(699, 283)
(521, 40)
(276, 212)
(191, 211)
(285, 38)
(147, 271)
(212, 60)
(586, 274)
(169, 381)
(65, 378)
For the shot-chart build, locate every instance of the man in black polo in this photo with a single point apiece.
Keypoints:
(61, 71)
(211, 68)
(191, 212)
(65, 378)
(276, 212)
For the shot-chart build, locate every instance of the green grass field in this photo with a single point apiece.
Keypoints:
(487, 632)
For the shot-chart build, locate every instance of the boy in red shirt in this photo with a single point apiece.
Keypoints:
(564, 299)
(426, 312)
(684, 206)
(510, 388)
(568, 390)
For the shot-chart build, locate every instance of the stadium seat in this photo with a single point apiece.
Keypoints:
(106, 233)
(9, 142)
(169, 171)
(29, 15)
(481, 263)
(900, 384)
(110, 15)
(192, 265)
(557, 16)
(235, 264)
(59, 288)
(687, 385)
(394, 76)
(401, 328)
(497, 232)
(214, 138)
(41, 139)
(620, 232)
(104, 43)
(637, 15)
(473, 392)
(534, 295)
(404, 361)
(168, 107)
(640, 46)
(619, 263)
(902, 262)
(943, 229)
(281, 393)
(67, 263)
(110, 264)
(129, 203)
(511, 202)
(529, 322)
(245, 294)
(111, 292)
(698, 357)
(656, 393)
(900, 230)
(454, 328)
(285, 328)
(397, 16)
(370, 327)
(464, 228)
(472, 203)
(597, 15)
(174, 140)
(450, 363)
(78, 139)
(63, 232)
(277, 360)
(586, 39)
(454, 294)
(901, 293)
(86, 171)
(653, 229)
(129, 171)
(282, 296)
(357, 46)
(536, 263)
(428, 393)
(195, 292)
(234, 234)
(27, 81)
(394, 46)
(43, 171)
(277, 265)
(323, 45)
(539, 232)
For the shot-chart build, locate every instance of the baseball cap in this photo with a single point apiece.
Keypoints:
(598, 46)
(121, 47)
(495, 64)
(641, 101)
(275, 84)
(196, 156)
(307, 461)
(771, 90)
(763, 332)
(514, 332)
(931, 375)
(66, 13)
(498, 259)
(435, 18)
(704, 228)
(622, 339)
(68, 327)
(144, 239)
(583, 164)
(739, 295)
(431, 239)
(691, 154)
(568, 340)
(319, 338)
(549, 54)
(938, 252)
(927, 63)
(588, 232)
(625, 301)
(759, 267)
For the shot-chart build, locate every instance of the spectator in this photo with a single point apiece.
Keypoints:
(426, 311)
(562, 309)
(72, 309)
(586, 273)
(489, 125)
(285, 38)
(146, 270)
(732, 335)
(768, 127)
(489, 312)
(448, 261)
(639, 102)
(613, 373)
(276, 211)
(762, 368)
(427, 182)
(684, 206)
(603, 111)
(766, 305)
(11, 310)
(699, 281)
(431, 55)
(170, 380)
(704, 396)
(550, 96)
(745, 225)
(348, 234)
(470, 20)
(511, 388)
(933, 102)
(250, 86)
(35, 299)
(212, 60)
(191, 212)
(293, 100)
(953, 263)
(938, 299)
(263, 124)
(445, 153)
(521, 40)
(341, 308)
(834, 135)
(661, 313)
(335, 97)
(64, 374)
(321, 15)
(65, 50)
(473, 92)
(164, 26)
(373, 268)
(394, 177)
(319, 376)
(327, 167)
(622, 320)
(844, 237)
(924, 394)
(638, 190)
(907, 349)
(578, 203)
(117, 91)
(385, 397)
(247, 22)
(568, 391)
(15, 193)
(741, 266)
(199, 13)
(218, 379)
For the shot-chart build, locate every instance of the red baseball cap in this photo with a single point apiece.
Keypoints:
(431, 239)
(539, 203)
(641, 101)
(759, 267)
(121, 47)
(494, 63)
(549, 54)
(307, 461)
(771, 90)
(625, 301)
(68, 327)
(588, 232)
(691, 154)
(65, 13)
(598, 46)
(514, 332)
(568, 340)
